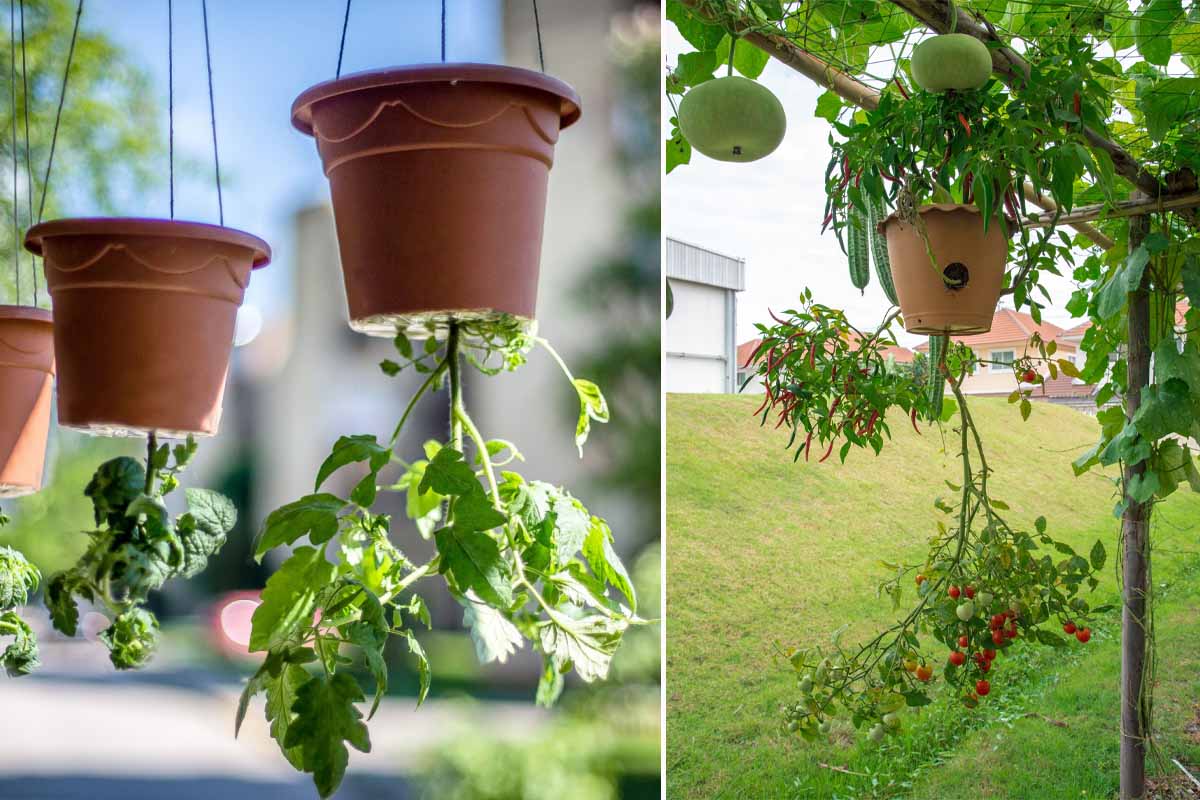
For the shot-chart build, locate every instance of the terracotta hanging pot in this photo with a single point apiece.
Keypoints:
(438, 176)
(26, 385)
(144, 312)
(959, 296)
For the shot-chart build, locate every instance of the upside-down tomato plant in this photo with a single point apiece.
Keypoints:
(137, 546)
(18, 578)
(527, 561)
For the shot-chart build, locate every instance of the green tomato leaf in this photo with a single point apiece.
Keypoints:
(587, 643)
(494, 636)
(351, 450)
(448, 474)
(314, 516)
(326, 721)
(473, 561)
(592, 406)
(290, 599)
(604, 561)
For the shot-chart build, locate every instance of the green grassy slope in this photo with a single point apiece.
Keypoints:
(760, 549)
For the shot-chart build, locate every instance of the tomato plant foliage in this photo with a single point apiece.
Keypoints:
(526, 560)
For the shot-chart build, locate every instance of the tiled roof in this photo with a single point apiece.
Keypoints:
(1008, 326)
(902, 354)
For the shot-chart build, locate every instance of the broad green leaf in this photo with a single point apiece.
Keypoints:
(475, 512)
(289, 599)
(1166, 408)
(587, 644)
(604, 561)
(281, 696)
(495, 637)
(326, 721)
(215, 514)
(829, 105)
(699, 34)
(473, 560)
(1098, 556)
(314, 516)
(448, 474)
(1135, 267)
(1152, 26)
(696, 68)
(351, 450)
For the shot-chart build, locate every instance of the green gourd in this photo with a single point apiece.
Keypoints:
(732, 119)
(952, 61)
(858, 248)
(879, 252)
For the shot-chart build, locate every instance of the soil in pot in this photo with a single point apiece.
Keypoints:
(144, 313)
(438, 175)
(26, 386)
(957, 294)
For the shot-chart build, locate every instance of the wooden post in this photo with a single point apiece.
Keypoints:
(1135, 530)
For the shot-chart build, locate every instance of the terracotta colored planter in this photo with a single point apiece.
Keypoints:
(144, 312)
(963, 253)
(438, 176)
(26, 385)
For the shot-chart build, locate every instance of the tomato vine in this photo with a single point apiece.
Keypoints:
(526, 560)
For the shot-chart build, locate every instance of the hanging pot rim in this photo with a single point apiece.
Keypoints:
(926, 208)
(570, 109)
(147, 226)
(27, 313)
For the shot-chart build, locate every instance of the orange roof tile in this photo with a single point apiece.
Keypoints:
(1008, 326)
(902, 355)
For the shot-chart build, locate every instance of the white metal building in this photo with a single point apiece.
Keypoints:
(699, 336)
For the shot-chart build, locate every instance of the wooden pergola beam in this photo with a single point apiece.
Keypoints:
(1124, 208)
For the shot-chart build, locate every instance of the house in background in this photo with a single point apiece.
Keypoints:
(699, 335)
(746, 370)
(1008, 341)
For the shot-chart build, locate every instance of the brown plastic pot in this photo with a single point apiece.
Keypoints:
(144, 312)
(964, 254)
(26, 385)
(438, 176)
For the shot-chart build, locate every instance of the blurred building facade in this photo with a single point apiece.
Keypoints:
(700, 333)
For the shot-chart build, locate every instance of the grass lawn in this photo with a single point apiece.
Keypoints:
(761, 550)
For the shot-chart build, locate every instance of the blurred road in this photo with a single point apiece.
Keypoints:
(164, 733)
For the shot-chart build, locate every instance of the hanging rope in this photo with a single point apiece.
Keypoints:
(537, 26)
(28, 163)
(443, 31)
(12, 53)
(212, 110)
(342, 46)
(58, 115)
(171, 103)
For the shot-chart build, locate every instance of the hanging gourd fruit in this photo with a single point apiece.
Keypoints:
(438, 175)
(732, 119)
(879, 253)
(144, 314)
(948, 271)
(858, 248)
(936, 380)
(951, 61)
(26, 387)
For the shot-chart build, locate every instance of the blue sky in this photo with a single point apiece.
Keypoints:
(265, 52)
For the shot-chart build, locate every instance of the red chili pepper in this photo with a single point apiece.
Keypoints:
(968, 183)
(808, 444)
(966, 125)
(846, 167)
(812, 355)
(913, 416)
(771, 359)
(828, 219)
(837, 400)
(777, 319)
(827, 452)
(900, 86)
(1077, 104)
(766, 400)
(754, 355)
(871, 424)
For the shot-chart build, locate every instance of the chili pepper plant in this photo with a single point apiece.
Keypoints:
(526, 560)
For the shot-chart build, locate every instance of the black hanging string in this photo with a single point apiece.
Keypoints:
(28, 163)
(12, 52)
(537, 26)
(212, 110)
(58, 115)
(171, 103)
(443, 31)
(342, 46)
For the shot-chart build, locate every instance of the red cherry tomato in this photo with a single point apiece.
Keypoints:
(1069, 627)
(985, 665)
(1083, 634)
(989, 654)
(963, 641)
(924, 672)
(998, 636)
(954, 592)
(970, 592)
(982, 687)
(957, 658)
(996, 621)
